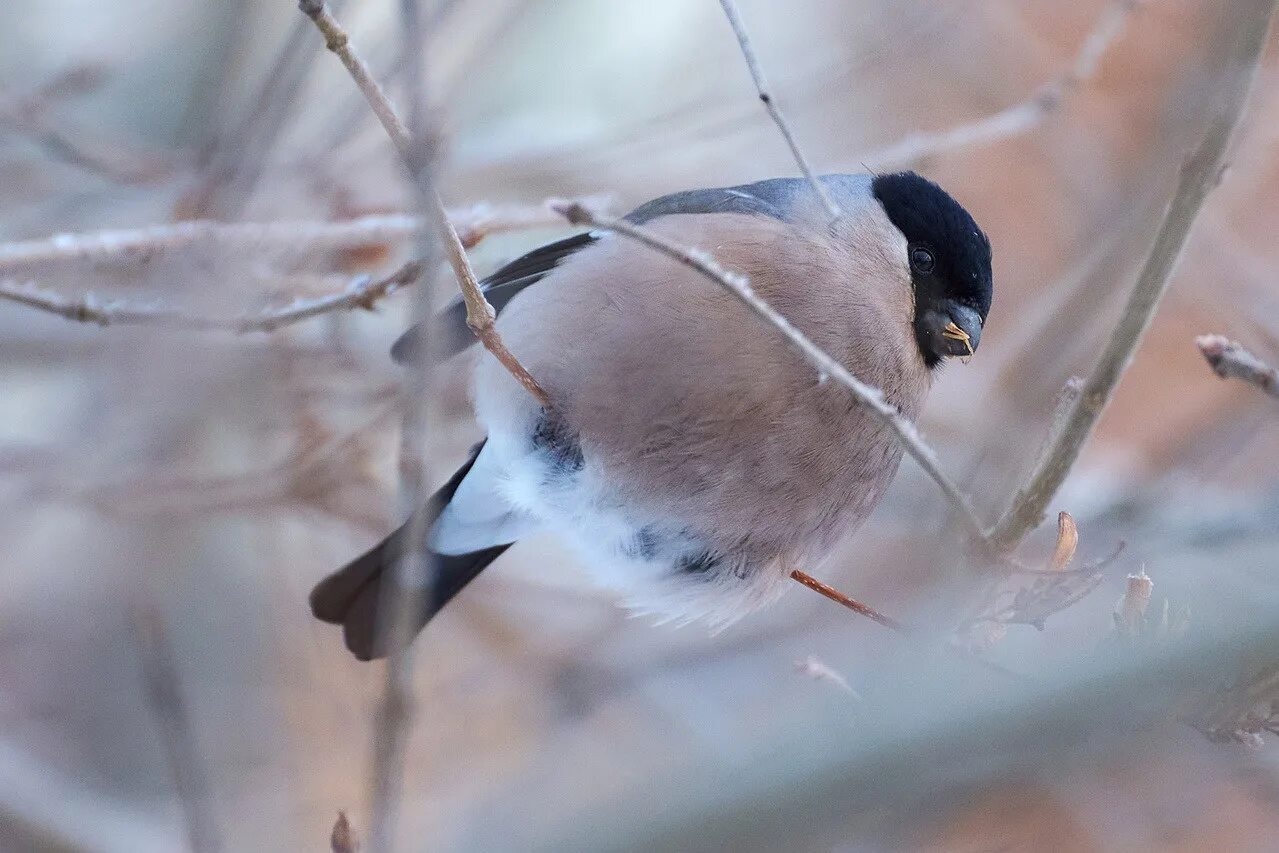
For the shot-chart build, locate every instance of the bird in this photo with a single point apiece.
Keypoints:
(689, 454)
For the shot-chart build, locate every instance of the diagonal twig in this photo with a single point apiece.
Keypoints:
(480, 317)
(770, 104)
(1200, 174)
(851, 603)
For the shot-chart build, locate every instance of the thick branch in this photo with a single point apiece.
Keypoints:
(770, 104)
(1229, 360)
(479, 313)
(1198, 177)
(872, 398)
(362, 292)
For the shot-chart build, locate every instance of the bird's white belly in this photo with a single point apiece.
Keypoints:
(620, 547)
(655, 563)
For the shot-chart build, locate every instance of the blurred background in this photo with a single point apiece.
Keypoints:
(169, 496)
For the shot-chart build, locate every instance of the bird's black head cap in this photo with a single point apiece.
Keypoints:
(949, 259)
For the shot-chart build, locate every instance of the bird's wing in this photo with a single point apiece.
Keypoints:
(772, 198)
(478, 516)
(499, 288)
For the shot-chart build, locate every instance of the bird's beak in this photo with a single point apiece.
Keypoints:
(952, 332)
(956, 329)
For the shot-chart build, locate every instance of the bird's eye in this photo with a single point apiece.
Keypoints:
(922, 260)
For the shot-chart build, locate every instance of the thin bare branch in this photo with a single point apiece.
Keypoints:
(843, 600)
(1067, 397)
(1230, 360)
(480, 316)
(738, 285)
(770, 104)
(139, 245)
(1009, 122)
(479, 313)
(304, 477)
(1020, 117)
(1198, 177)
(362, 292)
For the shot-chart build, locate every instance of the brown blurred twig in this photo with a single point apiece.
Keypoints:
(362, 292)
(1198, 177)
(1230, 360)
(480, 315)
(739, 285)
(410, 583)
(770, 104)
(851, 603)
(1021, 117)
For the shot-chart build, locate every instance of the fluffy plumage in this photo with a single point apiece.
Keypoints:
(691, 456)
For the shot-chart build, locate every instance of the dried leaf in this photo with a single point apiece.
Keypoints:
(1049, 595)
(1067, 542)
(1051, 592)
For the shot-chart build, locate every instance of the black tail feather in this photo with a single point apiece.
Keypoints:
(350, 596)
